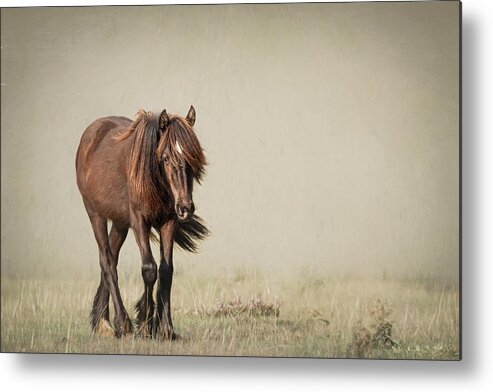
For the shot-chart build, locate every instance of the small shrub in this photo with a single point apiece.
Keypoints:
(378, 335)
(255, 307)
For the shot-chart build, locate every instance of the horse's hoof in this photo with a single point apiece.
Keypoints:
(143, 331)
(128, 328)
(175, 336)
(104, 329)
(170, 336)
(124, 327)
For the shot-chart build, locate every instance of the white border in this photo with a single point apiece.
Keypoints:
(100, 373)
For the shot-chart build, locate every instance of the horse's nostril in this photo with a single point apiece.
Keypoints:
(183, 211)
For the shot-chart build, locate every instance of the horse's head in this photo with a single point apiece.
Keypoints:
(182, 158)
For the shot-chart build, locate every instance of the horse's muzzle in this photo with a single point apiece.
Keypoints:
(185, 211)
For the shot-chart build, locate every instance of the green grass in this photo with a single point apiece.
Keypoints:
(246, 311)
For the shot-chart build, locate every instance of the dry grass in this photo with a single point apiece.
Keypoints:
(238, 307)
(246, 312)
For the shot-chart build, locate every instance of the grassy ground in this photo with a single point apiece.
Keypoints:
(303, 313)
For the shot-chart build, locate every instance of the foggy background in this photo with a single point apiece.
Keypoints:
(332, 130)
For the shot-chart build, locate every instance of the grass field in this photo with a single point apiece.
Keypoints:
(247, 311)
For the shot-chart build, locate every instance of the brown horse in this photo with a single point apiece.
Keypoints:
(140, 175)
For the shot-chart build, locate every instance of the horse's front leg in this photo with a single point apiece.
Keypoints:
(163, 323)
(145, 305)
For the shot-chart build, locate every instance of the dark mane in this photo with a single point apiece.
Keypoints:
(144, 175)
(179, 130)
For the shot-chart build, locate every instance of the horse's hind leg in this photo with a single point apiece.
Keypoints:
(109, 272)
(145, 305)
(100, 314)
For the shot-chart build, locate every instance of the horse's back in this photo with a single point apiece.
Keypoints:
(101, 168)
(98, 131)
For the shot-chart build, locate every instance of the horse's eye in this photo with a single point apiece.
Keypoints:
(166, 159)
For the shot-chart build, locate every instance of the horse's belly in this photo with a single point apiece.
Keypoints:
(109, 197)
(101, 174)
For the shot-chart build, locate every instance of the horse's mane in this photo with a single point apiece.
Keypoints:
(144, 174)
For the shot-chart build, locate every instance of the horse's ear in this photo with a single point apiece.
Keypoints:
(163, 120)
(191, 116)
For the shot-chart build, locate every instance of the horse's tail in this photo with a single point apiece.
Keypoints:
(188, 233)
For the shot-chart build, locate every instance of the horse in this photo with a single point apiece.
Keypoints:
(140, 174)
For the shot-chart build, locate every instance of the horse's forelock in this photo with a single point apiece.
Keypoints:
(180, 140)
